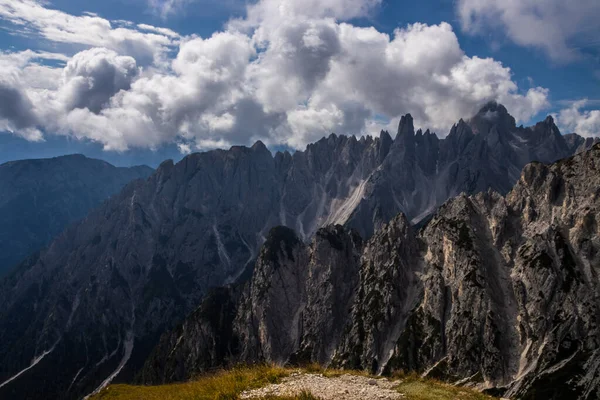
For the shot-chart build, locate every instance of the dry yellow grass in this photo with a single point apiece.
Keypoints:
(227, 385)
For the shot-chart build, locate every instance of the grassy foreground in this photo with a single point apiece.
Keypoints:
(227, 385)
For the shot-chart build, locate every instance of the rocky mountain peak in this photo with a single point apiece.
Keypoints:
(406, 128)
(493, 116)
(404, 144)
(280, 244)
(493, 107)
(259, 146)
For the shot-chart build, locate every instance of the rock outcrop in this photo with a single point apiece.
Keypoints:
(495, 292)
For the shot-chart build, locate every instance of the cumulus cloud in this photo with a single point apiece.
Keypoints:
(421, 70)
(576, 119)
(92, 77)
(16, 108)
(289, 73)
(22, 76)
(563, 29)
(270, 13)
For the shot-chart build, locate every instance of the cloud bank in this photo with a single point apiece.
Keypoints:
(288, 73)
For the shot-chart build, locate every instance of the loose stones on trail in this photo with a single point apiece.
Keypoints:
(344, 387)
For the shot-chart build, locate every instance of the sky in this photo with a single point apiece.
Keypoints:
(139, 81)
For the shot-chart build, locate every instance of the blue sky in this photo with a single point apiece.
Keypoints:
(103, 78)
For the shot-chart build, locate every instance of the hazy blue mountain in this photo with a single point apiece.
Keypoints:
(39, 198)
(14, 148)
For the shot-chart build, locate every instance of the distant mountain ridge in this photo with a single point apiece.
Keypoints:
(97, 299)
(39, 198)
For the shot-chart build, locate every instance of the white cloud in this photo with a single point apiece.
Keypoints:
(563, 29)
(93, 76)
(22, 79)
(421, 70)
(272, 13)
(30, 17)
(163, 31)
(289, 73)
(583, 122)
(184, 148)
(164, 8)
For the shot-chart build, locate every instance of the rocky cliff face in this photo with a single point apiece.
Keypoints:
(422, 171)
(98, 298)
(500, 293)
(39, 198)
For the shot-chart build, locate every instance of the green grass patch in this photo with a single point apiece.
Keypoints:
(334, 373)
(416, 388)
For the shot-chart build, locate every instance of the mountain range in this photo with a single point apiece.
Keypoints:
(39, 198)
(98, 298)
(500, 293)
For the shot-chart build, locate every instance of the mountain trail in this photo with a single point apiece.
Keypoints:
(344, 387)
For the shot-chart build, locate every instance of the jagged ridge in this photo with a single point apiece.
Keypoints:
(495, 292)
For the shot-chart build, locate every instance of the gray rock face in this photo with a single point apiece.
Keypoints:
(421, 171)
(578, 144)
(39, 198)
(294, 308)
(99, 297)
(500, 293)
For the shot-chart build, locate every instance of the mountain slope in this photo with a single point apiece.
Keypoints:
(496, 292)
(98, 298)
(39, 198)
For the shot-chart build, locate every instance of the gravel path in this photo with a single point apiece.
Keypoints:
(345, 387)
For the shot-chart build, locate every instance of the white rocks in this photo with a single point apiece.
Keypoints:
(345, 387)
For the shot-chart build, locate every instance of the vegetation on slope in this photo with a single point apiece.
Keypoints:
(228, 385)
(416, 388)
(225, 385)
